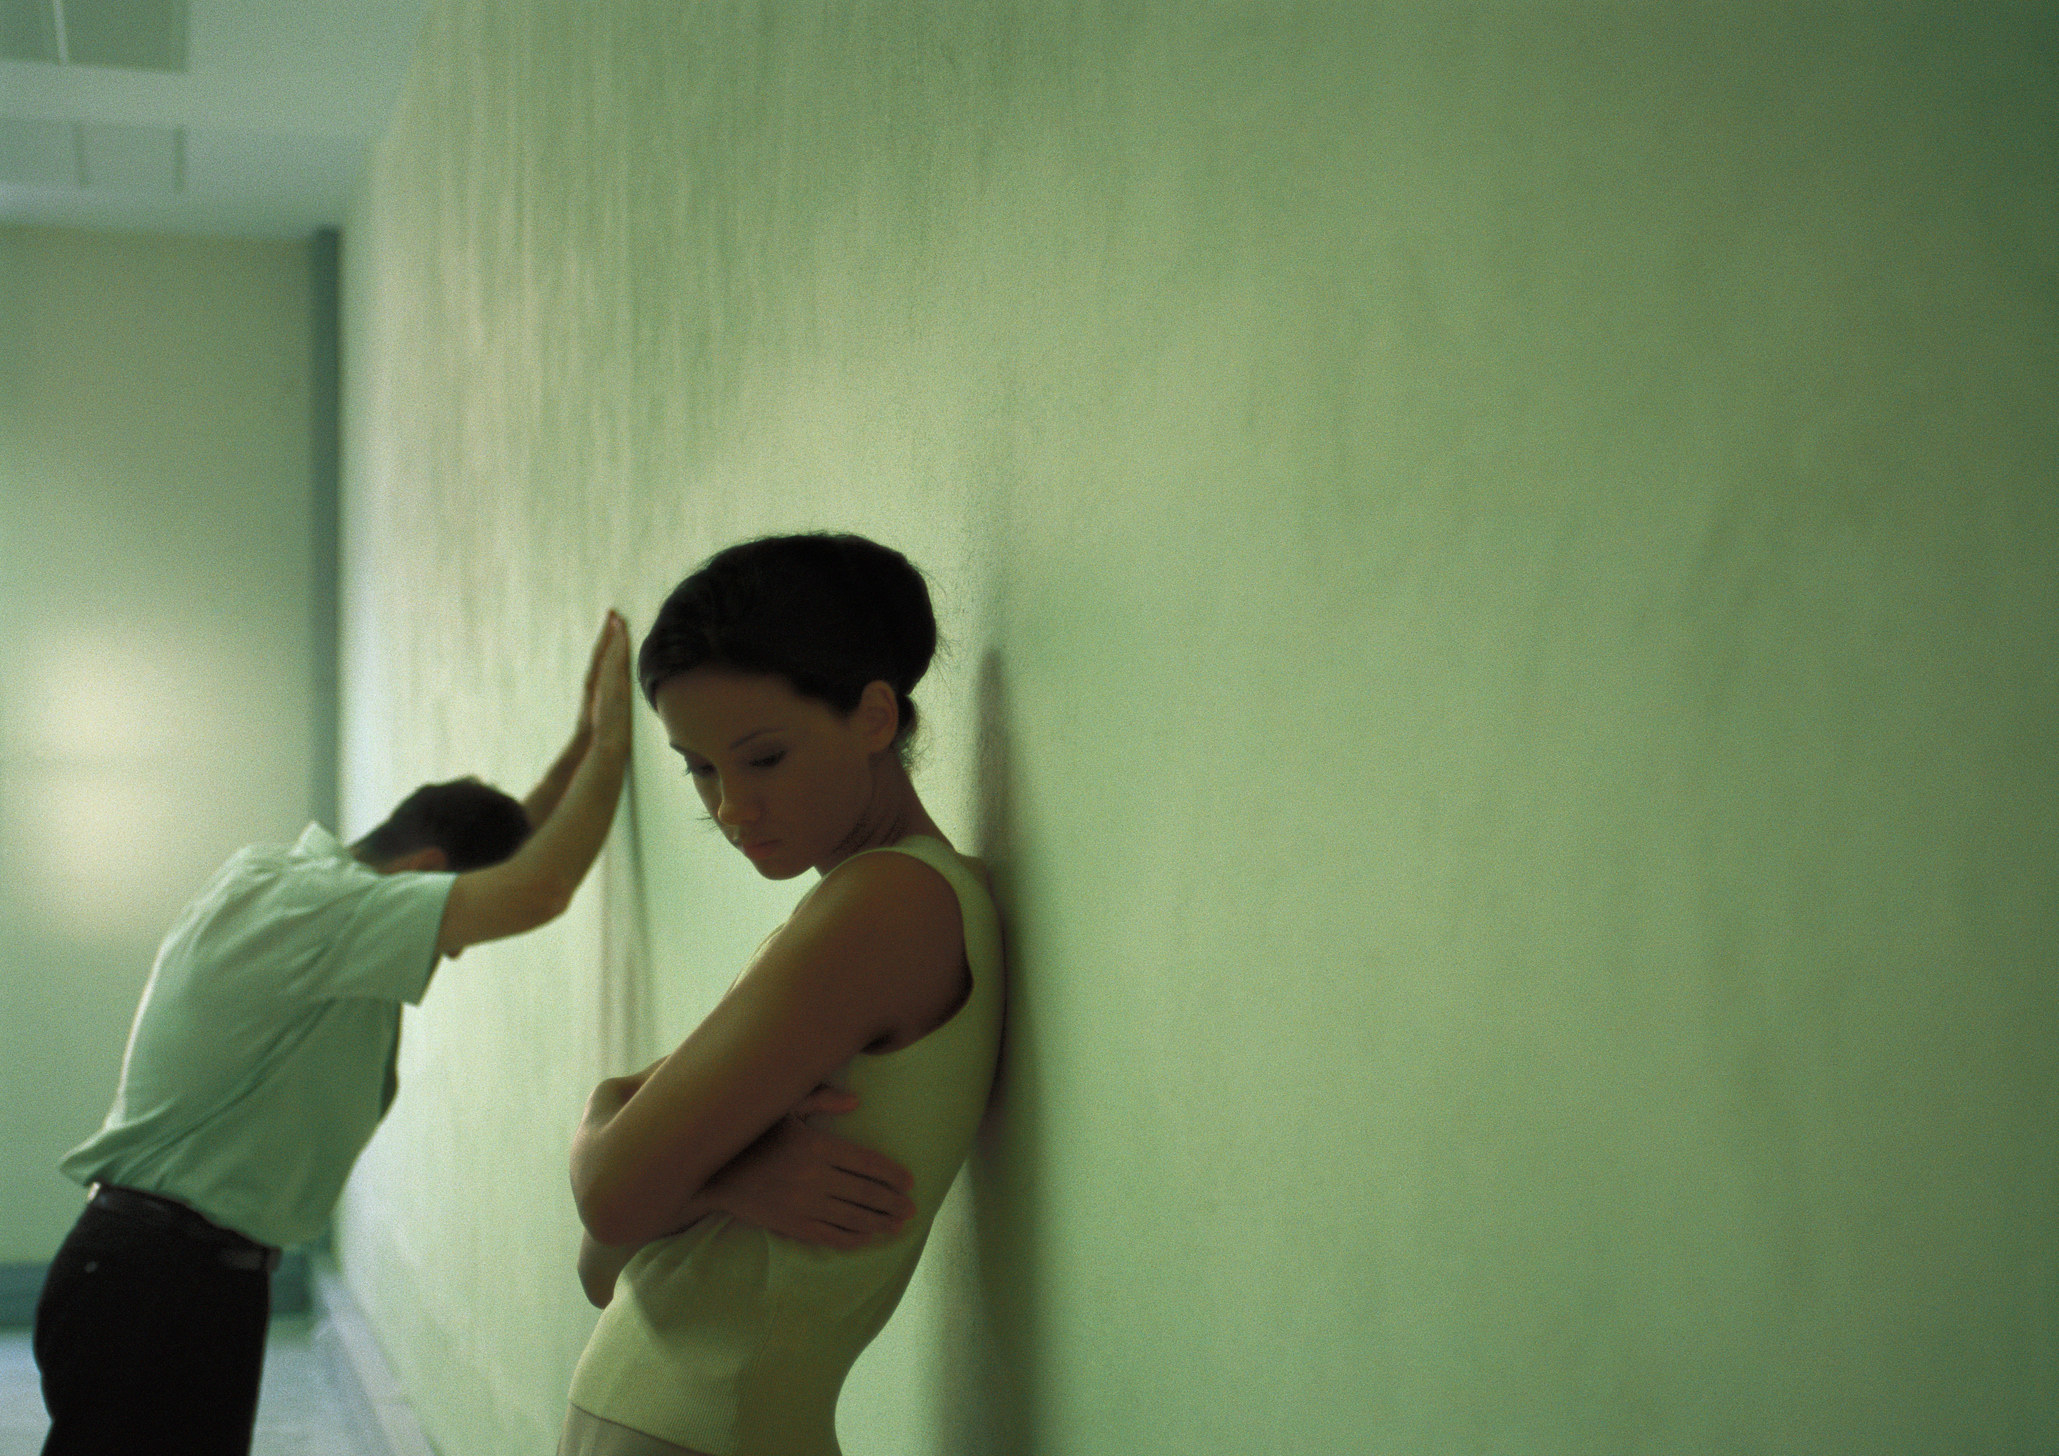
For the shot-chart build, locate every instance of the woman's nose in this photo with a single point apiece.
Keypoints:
(734, 810)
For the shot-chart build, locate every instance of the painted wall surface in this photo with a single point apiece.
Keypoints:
(1501, 566)
(155, 657)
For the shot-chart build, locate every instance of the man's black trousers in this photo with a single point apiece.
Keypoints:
(149, 1336)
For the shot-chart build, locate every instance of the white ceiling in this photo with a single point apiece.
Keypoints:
(261, 134)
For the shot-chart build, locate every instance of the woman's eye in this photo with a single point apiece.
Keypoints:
(707, 770)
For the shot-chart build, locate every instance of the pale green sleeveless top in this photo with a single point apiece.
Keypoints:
(733, 1341)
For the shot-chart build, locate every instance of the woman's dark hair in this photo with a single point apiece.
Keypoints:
(829, 613)
(474, 824)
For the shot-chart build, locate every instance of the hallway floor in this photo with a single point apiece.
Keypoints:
(297, 1414)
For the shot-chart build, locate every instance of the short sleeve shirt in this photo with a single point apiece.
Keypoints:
(263, 1054)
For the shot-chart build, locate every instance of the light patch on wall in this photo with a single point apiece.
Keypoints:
(128, 695)
(105, 731)
(97, 847)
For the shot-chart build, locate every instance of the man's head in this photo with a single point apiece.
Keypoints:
(461, 825)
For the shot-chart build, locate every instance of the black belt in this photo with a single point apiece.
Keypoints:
(234, 1251)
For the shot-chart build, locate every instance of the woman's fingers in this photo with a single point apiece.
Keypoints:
(826, 1101)
(862, 1221)
(875, 1198)
(874, 1166)
(817, 1187)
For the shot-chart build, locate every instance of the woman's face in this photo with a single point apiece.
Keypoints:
(785, 777)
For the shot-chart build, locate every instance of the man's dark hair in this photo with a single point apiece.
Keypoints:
(474, 824)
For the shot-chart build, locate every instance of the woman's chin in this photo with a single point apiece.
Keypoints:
(776, 866)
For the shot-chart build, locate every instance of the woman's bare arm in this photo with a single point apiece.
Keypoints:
(795, 1180)
(876, 948)
(599, 1266)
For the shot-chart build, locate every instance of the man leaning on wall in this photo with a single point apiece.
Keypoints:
(262, 1059)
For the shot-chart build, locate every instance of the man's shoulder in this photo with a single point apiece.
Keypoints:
(305, 870)
(313, 845)
(275, 906)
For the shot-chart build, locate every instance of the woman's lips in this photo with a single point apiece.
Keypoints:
(760, 848)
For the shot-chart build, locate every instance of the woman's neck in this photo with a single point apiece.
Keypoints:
(895, 813)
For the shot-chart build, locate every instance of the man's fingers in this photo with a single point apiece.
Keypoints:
(594, 659)
(600, 647)
(611, 689)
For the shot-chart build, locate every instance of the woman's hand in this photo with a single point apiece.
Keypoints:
(812, 1185)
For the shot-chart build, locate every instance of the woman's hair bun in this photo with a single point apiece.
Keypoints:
(888, 584)
(829, 612)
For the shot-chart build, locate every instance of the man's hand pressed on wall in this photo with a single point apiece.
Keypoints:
(569, 814)
(543, 799)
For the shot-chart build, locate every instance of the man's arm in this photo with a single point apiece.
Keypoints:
(537, 882)
(542, 800)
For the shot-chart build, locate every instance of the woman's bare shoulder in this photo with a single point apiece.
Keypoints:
(886, 927)
(884, 891)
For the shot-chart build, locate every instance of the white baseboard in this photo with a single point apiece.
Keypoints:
(364, 1382)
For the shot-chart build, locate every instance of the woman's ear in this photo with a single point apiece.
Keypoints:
(879, 715)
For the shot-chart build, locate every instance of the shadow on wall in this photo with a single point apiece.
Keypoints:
(625, 989)
(990, 1383)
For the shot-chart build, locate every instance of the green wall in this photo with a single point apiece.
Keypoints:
(1501, 566)
(156, 701)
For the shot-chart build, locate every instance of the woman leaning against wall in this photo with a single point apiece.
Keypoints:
(781, 670)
